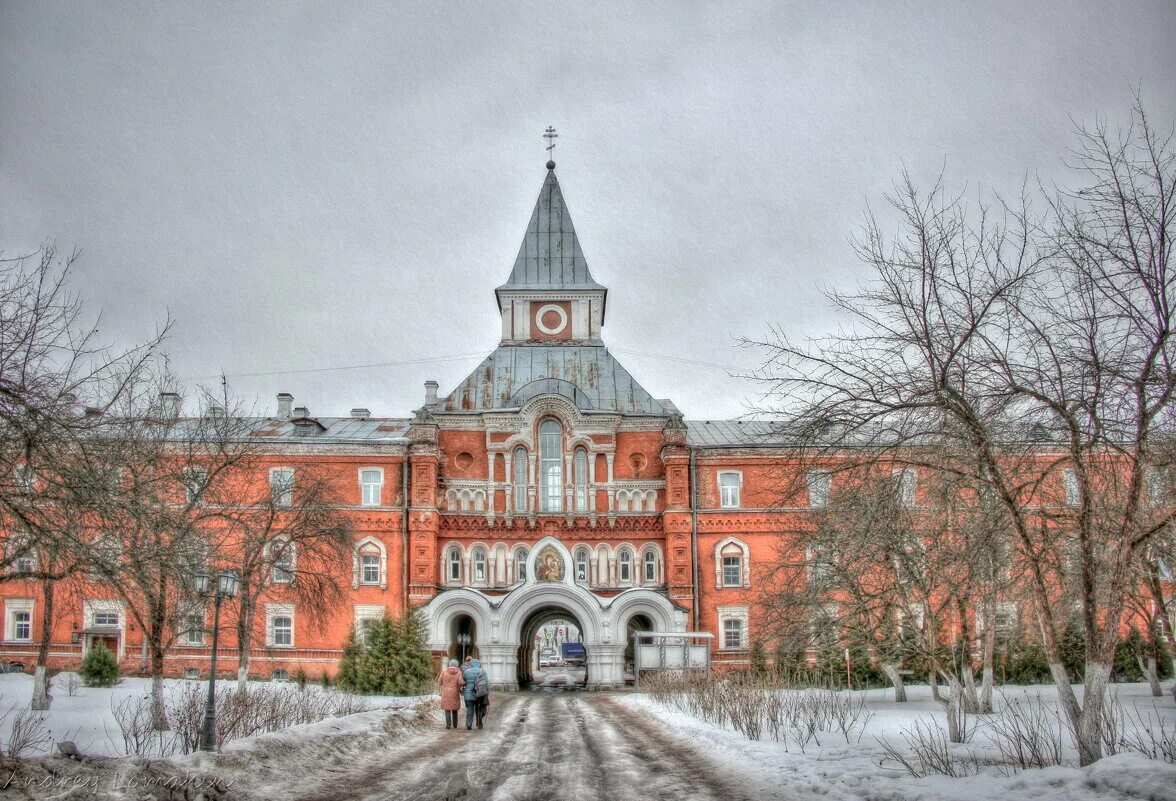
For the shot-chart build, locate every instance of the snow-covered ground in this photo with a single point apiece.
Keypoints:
(559, 677)
(861, 769)
(88, 719)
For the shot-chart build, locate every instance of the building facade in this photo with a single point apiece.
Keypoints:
(548, 485)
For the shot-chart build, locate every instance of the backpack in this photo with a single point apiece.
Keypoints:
(481, 686)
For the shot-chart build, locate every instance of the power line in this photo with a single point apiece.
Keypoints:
(682, 360)
(428, 360)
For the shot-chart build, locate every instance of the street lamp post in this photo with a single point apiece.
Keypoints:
(223, 585)
(463, 640)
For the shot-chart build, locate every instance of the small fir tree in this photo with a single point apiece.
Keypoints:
(99, 668)
(759, 660)
(348, 675)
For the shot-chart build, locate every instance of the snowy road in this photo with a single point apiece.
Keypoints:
(544, 745)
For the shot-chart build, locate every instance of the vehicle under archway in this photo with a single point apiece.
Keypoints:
(551, 651)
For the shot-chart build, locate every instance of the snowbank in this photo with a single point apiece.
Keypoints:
(860, 771)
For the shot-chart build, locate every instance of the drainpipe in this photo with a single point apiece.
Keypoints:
(694, 535)
(404, 526)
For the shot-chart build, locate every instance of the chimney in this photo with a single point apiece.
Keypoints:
(359, 411)
(431, 393)
(301, 413)
(169, 405)
(285, 401)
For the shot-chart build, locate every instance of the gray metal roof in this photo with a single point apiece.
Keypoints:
(550, 257)
(736, 433)
(318, 429)
(588, 375)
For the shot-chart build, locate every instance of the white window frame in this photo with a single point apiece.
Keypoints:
(819, 483)
(730, 495)
(1071, 488)
(646, 562)
(475, 553)
(520, 559)
(582, 560)
(369, 561)
(370, 493)
(12, 608)
(906, 483)
(551, 465)
(285, 562)
(625, 559)
(580, 464)
(272, 613)
(367, 544)
(195, 484)
(282, 494)
(453, 558)
(365, 613)
(720, 582)
(186, 637)
(734, 614)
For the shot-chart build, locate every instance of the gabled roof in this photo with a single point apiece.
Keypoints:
(588, 375)
(550, 257)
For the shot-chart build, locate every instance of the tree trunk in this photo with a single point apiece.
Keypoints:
(934, 682)
(158, 709)
(971, 698)
(244, 640)
(988, 650)
(891, 671)
(1151, 673)
(952, 705)
(1088, 731)
(41, 697)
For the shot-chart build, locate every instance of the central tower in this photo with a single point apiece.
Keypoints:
(551, 296)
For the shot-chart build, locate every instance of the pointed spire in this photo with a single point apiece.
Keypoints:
(550, 258)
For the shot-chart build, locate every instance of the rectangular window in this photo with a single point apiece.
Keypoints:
(372, 483)
(819, 482)
(363, 630)
(283, 630)
(1156, 479)
(729, 484)
(1070, 482)
(906, 482)
(195, 482)
(732, 634)
(106, 618)
(283, 567)
(194, 630)
(282, 486)
(370, 568)
(22, 625)
(732, 571)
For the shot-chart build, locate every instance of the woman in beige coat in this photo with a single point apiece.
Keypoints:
(451, 684)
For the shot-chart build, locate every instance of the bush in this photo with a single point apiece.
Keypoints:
(759, 660)
(1025, 664)
(99, 668)
(1127, 655)
(394, 660)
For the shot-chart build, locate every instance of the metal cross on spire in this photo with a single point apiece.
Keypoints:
(550, 135)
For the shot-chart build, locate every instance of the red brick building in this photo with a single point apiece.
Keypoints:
(549, 484)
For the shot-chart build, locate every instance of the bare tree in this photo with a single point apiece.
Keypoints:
(1030, 355)
(290, 541)
(51, 366)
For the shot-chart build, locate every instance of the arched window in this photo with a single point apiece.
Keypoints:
(602, 579)
(582, 565)
(729, 485)
(622, 501)
(479, 501)
(732, 568)
(453, 565)
(479, 561)
(499, 568)
(625, 566)
(581, 465)
(369, 563)
(651, 501)
(551, 465)
(649, 574)
(520, 479)
(282, 565)
(521, 564)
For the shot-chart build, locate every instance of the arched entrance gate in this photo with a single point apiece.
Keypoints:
(500, 623)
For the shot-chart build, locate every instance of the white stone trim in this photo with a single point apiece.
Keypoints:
(563, 319)
(740, 613)
(279, 610)
(11, 607)
(722, 544)
(357, 567)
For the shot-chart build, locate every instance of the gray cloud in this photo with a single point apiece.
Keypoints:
(304, 187)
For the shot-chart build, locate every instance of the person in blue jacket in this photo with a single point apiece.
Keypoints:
(477, 693)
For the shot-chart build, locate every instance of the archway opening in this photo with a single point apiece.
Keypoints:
(552, 655)
(636, 623)
(463, 637)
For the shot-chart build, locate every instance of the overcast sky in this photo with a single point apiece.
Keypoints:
(302, 188)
